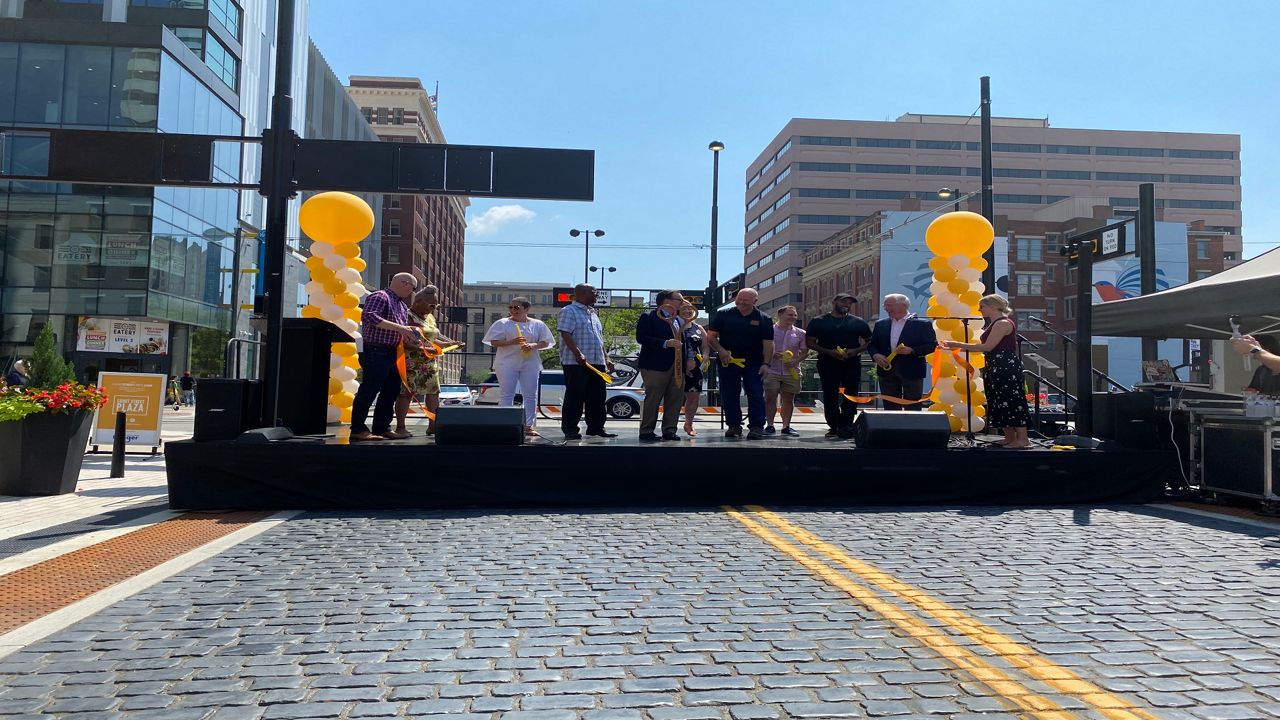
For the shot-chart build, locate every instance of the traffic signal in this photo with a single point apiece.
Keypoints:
(563, 296)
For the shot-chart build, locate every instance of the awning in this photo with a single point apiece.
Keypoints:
(1200, 309)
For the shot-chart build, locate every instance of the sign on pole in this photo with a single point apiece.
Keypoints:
(140, 396)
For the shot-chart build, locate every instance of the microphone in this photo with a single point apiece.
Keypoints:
(1035, 319)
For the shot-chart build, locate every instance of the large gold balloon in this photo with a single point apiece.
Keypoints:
(959, 233)
(336, 218)
(344, 349)
(310, 311)
(357, 264)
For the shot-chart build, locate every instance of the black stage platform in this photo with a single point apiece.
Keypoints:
(700, 472)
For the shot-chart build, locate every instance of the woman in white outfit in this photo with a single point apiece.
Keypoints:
(519, 340)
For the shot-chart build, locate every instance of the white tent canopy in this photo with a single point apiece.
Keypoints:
(1200, 309)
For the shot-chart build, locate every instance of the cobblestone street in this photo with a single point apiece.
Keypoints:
(1133, 612)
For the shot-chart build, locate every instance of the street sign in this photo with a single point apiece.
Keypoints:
(1107, 242)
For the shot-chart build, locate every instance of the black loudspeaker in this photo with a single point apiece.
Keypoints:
(1130, 419)
(226, 408)
(896, 429)
(470, 425)
(258, 436)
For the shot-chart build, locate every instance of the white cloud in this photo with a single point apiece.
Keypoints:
(493, 219)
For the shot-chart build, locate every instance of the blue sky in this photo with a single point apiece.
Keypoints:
(648, 84)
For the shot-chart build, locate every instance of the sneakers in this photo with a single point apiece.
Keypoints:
(790, 432)
(755, 434)
(733, 432)
(768, 430)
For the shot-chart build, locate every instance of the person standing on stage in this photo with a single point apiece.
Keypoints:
(1265, 348)
(423, 371)
(661, 364)
(581, 350)
(519, 341)
(908, 340)
(783, 381)
(384, 325)
(839, 337)
(696, 350)
(1002, 376)
(743, 338)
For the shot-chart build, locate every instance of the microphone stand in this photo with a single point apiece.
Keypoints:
(1066, 367)
(968, 380)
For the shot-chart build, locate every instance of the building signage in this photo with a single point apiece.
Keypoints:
(140, 396)
(124, 250)
(122, 335)
(74, 255)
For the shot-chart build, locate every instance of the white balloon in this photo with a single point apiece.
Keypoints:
(333, 414)
(359, 341)
(975, 327)
(978, 287)
(332, 313)
(978, 424)
(343, 374)
(958, 261)
(969, 274)
(937, 288)
(347, 325)
(350, 386)
(319, 249)
(349, 275)
(358, 290)
(335, 262)
(314, 288)
(335, 361)
(948, 396)
(957, 309)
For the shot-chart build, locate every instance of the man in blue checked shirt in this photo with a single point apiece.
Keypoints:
(582, 343)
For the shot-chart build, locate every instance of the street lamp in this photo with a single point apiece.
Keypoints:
(711, 301)
(948, 193)
(602, 270)
(586, 248)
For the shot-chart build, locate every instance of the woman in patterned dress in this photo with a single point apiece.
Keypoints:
(1002, 376)
(695, 346)
(423, 371)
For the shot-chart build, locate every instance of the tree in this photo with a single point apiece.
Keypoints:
(619, 326)
(48, 369)
(208, 352)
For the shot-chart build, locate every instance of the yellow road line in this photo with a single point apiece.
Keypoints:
(1017, 694)
(1017, 654)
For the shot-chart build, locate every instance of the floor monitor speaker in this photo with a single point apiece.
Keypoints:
(897, 429)
(471, 425)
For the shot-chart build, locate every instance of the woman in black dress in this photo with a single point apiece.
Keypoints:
(695, 350)
(1002, 376)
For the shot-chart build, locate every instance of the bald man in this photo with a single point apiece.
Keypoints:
(384, 325)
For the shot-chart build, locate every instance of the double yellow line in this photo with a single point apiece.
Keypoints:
(877, 590)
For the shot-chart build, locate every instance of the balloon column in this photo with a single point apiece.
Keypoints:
(336, 222)
(957, 240)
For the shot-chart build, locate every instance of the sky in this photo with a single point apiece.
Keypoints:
(648, 84)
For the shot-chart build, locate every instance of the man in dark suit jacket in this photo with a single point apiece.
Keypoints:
(913, 339)
(658, 333)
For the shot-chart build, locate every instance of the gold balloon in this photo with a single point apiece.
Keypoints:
(947, 370)
(346, 415)
(336, 218)
(979, 264)
(344, 349)
(335, 386)
(346, 300)
(959, 233)
(334, 287)
(970, 297)
(978, 360)
(956, 424)
(940, 407)
(946, 325)
(945, 275)
(935, 311)
(938, 263)
(342, 400)
(348, 251)
(314, 263)
(357, 264)
(352, 362)
(958, 286)
(310, 311)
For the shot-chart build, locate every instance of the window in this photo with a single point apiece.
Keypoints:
(1230, 255)
(397, 116)
(222, 62)
(1204, 179)
(393, 227)
(1015, 147)
(823, 219)
(1050, 272)
(393, 254)
(824, 167)
(1228, 229)
(938, 170)
(1204, 154)
(1067, 174)
(1067, 149)
(1030, 284)
(823, 193)
(1015, 172)
(883, 142)
(1071, 276)
(394, 202)
(1031, 250)
(227, 13)
(1202, 204)
(1051, 199)
(1027, 199)
(1202, 249)
(1129, 176)
(1068, 308)
(872, 168)
(883, 194)
(1129, 152)
(1050, 307)
(367, 112)
(1202, 274)
(938, 144)
(820, 140)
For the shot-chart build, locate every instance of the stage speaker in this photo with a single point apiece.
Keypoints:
(1130, 419)
(470, 425)
(258, 436)
(225, 408)
(901, 429)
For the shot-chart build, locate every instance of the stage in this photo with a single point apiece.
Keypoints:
(330, 473)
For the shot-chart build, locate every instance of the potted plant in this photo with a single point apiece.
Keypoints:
(45, 425)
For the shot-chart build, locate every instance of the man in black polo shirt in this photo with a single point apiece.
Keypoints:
(838, 337)
(745, 336)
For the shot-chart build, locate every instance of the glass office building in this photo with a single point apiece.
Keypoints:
(75, 255)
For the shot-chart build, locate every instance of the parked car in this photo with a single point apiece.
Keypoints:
(622, 400)
(455, 395)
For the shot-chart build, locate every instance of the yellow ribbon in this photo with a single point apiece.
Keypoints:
(520, 336)
(787, 357)
(886, 398)
(740, 362)
(608, 379)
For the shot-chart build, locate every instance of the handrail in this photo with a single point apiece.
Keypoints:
(228, 355)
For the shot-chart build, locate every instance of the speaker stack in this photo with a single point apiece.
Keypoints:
(471, 425)
(901, 429)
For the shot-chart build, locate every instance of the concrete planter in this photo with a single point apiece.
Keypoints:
(42, 453)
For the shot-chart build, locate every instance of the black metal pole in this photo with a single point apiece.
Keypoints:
(712, 302)
(988, 200)
(231, 369)
(1146, 248)
(117, 447)
(1084, 340)
(277, 168)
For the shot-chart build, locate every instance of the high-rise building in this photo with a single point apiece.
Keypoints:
(105, 264)
(421, 234)
(818, 176)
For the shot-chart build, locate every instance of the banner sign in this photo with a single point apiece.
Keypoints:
(140, 396)
(122, 335)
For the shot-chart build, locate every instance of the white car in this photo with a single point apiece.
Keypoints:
(455, 395)
(621, 401)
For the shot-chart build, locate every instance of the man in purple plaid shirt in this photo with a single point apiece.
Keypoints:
(383, 324)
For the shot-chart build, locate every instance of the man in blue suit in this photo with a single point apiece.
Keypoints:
(909, 340)
(661, 366)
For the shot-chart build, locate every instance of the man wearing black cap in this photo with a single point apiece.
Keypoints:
(839, 338)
